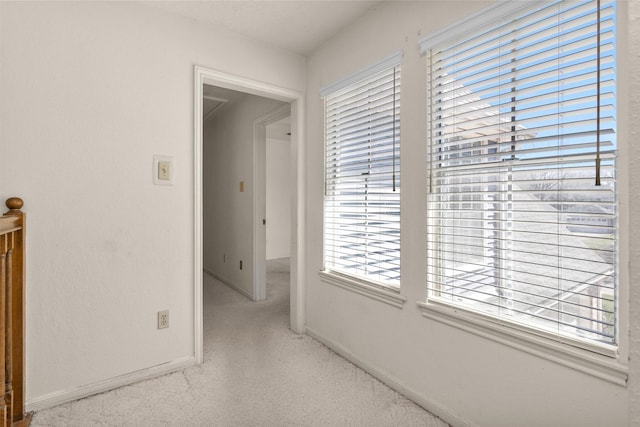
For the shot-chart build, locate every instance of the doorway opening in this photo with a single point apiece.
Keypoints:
(292, 107)
(272, 198)
(278, 189)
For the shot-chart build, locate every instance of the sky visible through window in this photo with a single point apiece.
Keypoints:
(518, 227)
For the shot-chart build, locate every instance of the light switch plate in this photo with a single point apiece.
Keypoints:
(163, 170)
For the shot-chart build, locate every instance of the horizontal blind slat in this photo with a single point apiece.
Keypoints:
(362, 197)
(515, 226)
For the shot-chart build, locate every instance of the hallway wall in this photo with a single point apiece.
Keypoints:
(90, 91)
(228, 148)
(279, 180)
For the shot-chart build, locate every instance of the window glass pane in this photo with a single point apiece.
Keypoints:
(518, 227)
(362, 179)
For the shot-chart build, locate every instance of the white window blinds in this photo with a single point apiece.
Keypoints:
(519, 111)
(362, 175)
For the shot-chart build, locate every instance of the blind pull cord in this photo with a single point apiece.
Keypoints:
(431, 133)
(394, 128)
(326, 151)
(598, 99)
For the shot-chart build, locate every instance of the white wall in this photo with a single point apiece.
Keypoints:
(278, 198)
(631, 100)
(463, 377)
(90, 91)
(228, 159)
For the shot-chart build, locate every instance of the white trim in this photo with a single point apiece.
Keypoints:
(230, 284)
(372, 290)
(623, 182)
(298, 224)
(63, 396)
(482, 19)
(198, 299)
(434, 407)
(259, 282)
(259, 198)
(241, 84)
(598, 365)
(298, 217)
(388, 62)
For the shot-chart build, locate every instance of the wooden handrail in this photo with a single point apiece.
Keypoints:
(12, 273)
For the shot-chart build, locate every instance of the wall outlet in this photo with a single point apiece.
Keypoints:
(163, 319)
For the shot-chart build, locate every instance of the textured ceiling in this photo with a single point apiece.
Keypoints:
(299, 26)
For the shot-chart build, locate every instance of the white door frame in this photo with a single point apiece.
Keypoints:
(296, 99)
(259, 198)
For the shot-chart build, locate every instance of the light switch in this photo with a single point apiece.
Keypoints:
(163, 170)
(242, 186)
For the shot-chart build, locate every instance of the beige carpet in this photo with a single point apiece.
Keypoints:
(256, 373)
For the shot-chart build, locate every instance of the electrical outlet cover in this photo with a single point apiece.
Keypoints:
(163, 319)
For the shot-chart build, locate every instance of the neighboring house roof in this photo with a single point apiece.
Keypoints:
(548, 264)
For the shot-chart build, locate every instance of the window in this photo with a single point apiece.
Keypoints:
(362, 175)
(522, 206)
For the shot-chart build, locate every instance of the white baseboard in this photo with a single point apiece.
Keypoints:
(229, 284)
(63, 396)
(434, 407)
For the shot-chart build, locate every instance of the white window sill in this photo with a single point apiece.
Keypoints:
(369, 289)
(602, 364)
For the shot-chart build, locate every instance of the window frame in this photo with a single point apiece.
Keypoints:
(377, 290)
(602, 361)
